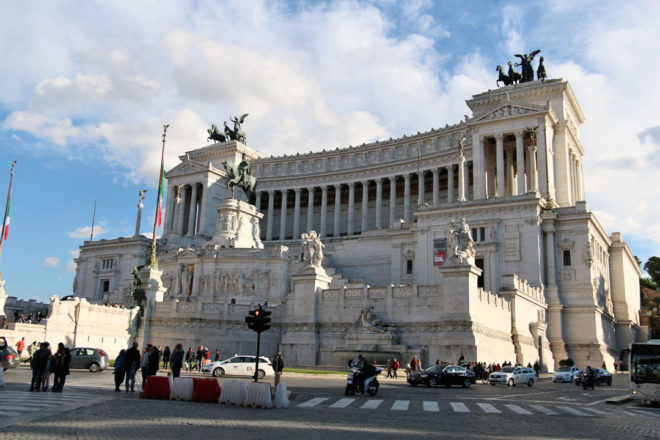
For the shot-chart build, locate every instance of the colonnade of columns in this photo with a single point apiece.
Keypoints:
(185, 210)
(508, 168)
(576, 178)
(344, 210)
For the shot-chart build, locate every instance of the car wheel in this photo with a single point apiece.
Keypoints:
(432, 382)
(511, 383)
(530, 383)
(217, 372)
(94, 367)
(261, 374)
(413, 384)
(466, 383)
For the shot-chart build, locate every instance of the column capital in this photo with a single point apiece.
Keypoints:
(435, 171)
(297, 190)
(406, 176)
(351, 185)
(392, 178)
(519, 133)
(364, 182)
(337, 186)
(271, 192)
(378, 180)
(499, 137)
(324, 188)
(284, 191)
(311, 188)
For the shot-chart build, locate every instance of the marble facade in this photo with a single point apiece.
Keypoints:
(546, 281)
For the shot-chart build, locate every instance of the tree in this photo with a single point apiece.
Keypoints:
(652, 267)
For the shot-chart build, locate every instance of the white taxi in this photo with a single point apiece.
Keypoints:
(513, 376)
(565, 374)
(240, 365)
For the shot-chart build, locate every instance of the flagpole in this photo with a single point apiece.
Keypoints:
(152, 261)
(91, 235)
(4, 221)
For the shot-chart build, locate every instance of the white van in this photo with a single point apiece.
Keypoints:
(513, 376)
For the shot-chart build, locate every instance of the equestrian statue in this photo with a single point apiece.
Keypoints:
(240, 176)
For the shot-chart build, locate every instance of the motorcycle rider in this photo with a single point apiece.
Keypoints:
(360, 375)
(589, 377)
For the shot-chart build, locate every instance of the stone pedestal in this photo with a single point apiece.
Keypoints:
(458, 281)
(154, 291)
(237, 225)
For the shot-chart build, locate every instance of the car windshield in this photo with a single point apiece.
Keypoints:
(563, 369)
(508, 369)
(436, 368)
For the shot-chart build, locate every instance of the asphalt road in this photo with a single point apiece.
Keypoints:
(89, 408)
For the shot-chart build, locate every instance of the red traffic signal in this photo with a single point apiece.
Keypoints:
(258, 320)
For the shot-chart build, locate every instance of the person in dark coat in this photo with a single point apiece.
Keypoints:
(166, 356)
(177, 360)
(38, 365)
(120, 369)
(132, 364)
(62, 359)
(154, 361)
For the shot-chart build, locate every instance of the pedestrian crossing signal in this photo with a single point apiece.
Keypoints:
(258, 320)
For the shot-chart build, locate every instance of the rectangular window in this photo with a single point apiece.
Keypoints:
(482, 232)
(409, 267)
(479, 262)
(475, 236)
(567, 258)
(107, 263)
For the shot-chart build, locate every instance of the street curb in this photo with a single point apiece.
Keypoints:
(618, 400)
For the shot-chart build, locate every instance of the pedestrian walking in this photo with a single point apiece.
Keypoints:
(190, 359)
(537, 369)
(395, 367)
(278, 366)
(388, 365)
(199, 356)
(49, 368)
(177, 360)
(32, 349)
(144, 364)
(62, 362)
(154, 362)
(120, 369)
(166, 356)
(217, 355)
(20, 345)
(132, 363)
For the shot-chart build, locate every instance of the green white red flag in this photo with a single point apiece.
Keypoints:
(159, 207)
(5, 226)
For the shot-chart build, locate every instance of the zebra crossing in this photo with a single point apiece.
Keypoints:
(25, 405)
(559, 409)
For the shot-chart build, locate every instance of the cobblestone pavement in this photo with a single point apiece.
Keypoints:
(320, 409)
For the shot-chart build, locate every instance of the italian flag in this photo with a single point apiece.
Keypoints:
(159, 207)
(5, 231)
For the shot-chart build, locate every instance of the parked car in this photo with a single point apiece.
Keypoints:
(8, 356)
(565, 374)
(442, 374)
(92, 359)
(240, 365)
(513, 376)
(603, 377)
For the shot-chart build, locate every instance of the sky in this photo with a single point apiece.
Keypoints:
(86, 86)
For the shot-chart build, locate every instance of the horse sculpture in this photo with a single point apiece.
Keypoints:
(215, 134)
(241, 177)
(237, 133)
(512, 78)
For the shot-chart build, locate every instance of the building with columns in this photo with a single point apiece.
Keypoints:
(546, 282)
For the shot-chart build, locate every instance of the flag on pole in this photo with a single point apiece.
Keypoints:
(159, 207)
(5, 228)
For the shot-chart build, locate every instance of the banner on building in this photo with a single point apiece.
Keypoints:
(439, 251)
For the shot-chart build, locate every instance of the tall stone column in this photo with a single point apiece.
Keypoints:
(337, 219)
(499, 152)
(450, 183)
(520, 161)
(533, 175)
(436, 186)
(138, 220)
(199, 221)
(257, 202)
(406, 197)
(580, 182)
(192, 212)
(283, 214)
(296, 214)
(555, 307)
(351, 207)
(462, 179)
(324, 209)
(479, 172)
(154, 291)
(420, 188)
(379, 203)
(310, 209)
(508, 186)
(170, 212)
(271, 208)
(365, 205)
(392, 200)
(180, 208)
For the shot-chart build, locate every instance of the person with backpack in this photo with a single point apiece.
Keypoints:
(395, 367)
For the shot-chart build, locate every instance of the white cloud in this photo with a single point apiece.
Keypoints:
(51, 262)
(85, 231)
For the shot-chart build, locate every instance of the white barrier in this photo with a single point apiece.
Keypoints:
(281, 396)
(182, 389)
(233, 392)
(258, 395)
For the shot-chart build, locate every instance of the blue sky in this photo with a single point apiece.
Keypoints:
(85, 88)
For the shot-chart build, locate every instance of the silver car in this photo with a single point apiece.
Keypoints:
(92, 359)
(8, 356)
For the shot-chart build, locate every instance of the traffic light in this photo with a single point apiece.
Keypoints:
(258, 320)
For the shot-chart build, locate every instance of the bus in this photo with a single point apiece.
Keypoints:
(645, 370)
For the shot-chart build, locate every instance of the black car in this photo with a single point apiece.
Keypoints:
(442, 374)
(603, 377)
(8, 356)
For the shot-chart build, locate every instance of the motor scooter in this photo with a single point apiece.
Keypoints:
(370, 384)
(589, 381)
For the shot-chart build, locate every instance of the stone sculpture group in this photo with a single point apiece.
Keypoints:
(312, 249)
(235, 134)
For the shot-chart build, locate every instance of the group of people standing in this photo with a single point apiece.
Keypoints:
(44, 363)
